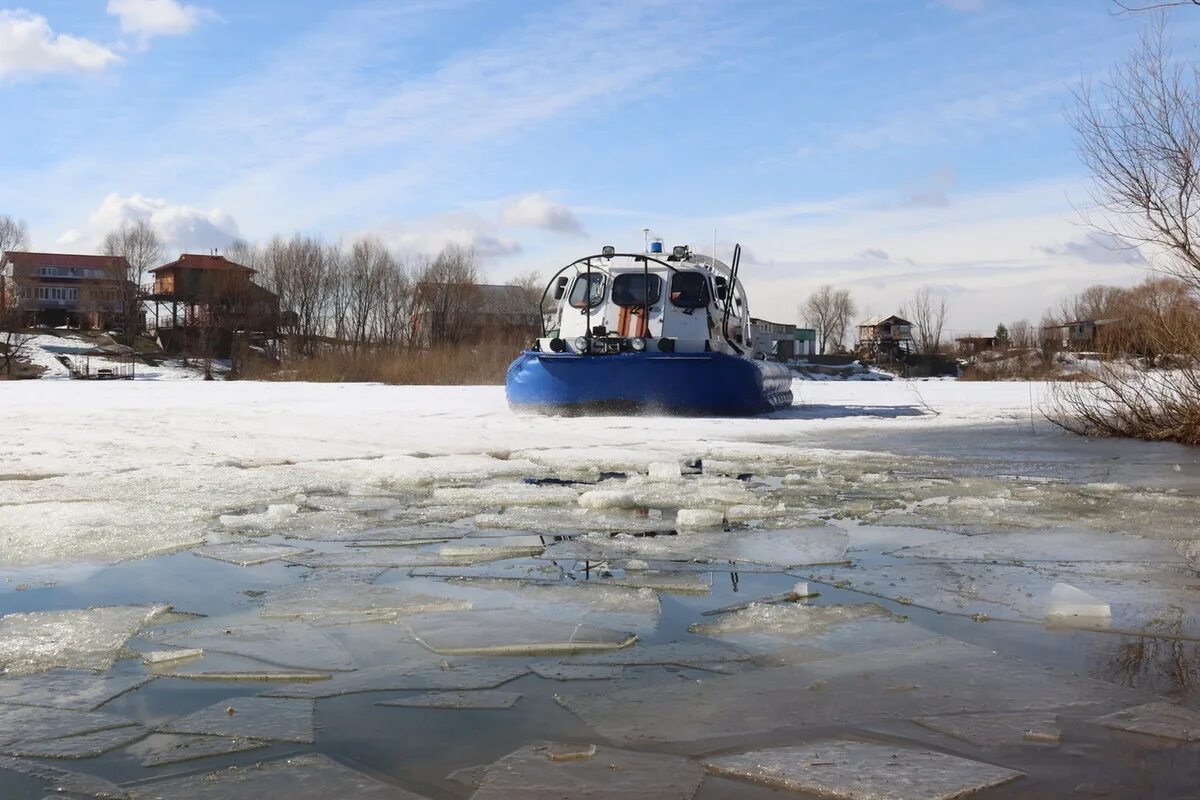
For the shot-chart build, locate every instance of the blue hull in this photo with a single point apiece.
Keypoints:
(699, 384)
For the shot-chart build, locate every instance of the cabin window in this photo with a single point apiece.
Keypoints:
(637, 289)
(689, 289)
(581, 297)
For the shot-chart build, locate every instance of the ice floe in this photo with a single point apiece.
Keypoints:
(264, 718)
(460, 700)
(78, 639)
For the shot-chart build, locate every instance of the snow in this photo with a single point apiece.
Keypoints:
(43, 350)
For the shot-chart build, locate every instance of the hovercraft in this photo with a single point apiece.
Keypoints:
(648, 333)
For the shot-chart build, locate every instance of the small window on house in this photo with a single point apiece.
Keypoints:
(582, 296)
(637, 289)
(689, 289)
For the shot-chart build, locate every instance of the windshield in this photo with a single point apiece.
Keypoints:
(581, 297)
(689, 289)
(636, 289)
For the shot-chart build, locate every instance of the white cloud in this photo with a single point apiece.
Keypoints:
(182, 228)
(147, 18)
(427, 237)
(1098, 248)
(539, 211)
(28, 45)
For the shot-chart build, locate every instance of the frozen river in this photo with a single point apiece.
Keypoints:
(902, 590)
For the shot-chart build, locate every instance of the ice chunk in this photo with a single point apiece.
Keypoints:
(169, 656)
(506, 495)
(665, 471)
(474, 553)
(862, 771)
(678, 653)
(359, 505)
(306, 777)
(64, 782)
(270, 718)
(574, 521)
(337, 600)
(476, 700)
(283, 643)
(502, 633)
(699, 518)
(248, 554)
(573, 672)
(426, 674)
(670, 582)
(784, 548)
(387, 558)
(1167, 720)
(542, 773)
(789, 621)
(607, 498)
(73, 689)
(86, 639)
(275, 516)
(33, 723)
(1069, 603)
(87, 745)
(752, 512)
(997, 729)
(530, 573)
(162, 748)
(936, 677)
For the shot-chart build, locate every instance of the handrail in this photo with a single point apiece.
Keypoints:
(730, 290)
(588, 260)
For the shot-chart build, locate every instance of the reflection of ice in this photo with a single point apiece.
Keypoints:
(247, 554)
(1068, 603)
(304, 777)
(862, 771)
(532, 773)
(87, 639)
(269, 718)
(334, 600)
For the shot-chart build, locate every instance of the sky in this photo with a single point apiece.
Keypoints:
(883, 146)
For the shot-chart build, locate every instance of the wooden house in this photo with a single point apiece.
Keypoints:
(63, 289)
(885, 338)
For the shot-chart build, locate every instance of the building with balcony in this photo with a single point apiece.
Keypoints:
(57, 289)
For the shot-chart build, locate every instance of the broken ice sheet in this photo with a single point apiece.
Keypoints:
(996, 729)
(532, 773)
(34, 723)
(669, 582)
(336, 600)
(459, 700)
(64, 782)
(269, 718)
(678, 653)
(248, 554)
(426, 672)
(1071, 605)
(502, 633)
(284, 643)
(87, 745)
(505, 495)
(1068, 546)
(931, 678)
(1166, 720)
(784, 548)
(164, 748)
(73, 689)
(574, 672)
(577, 520)
(1142, 598)
(862, 771)
(83, 639)
(306, 777)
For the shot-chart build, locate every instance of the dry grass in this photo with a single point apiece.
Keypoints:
(457, 365)
(1016, 365)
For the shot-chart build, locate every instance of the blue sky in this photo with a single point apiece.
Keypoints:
(882, 145)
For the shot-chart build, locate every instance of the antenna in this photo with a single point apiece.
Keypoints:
(646, 237)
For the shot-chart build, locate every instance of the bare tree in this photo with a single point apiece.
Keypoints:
(928, 316)
(1139, 135)
(447, 297)
(829, 311)
(1141, 8)
(1021, 335)
(138, 243)
(14, 235)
